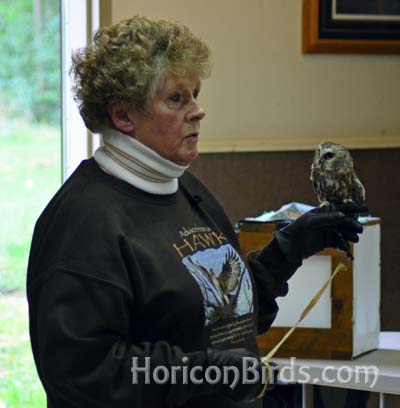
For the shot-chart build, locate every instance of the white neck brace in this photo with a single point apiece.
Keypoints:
(131, 161)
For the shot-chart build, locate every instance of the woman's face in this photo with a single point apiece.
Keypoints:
(171, 125)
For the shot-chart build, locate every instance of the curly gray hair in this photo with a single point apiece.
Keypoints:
(128, 62)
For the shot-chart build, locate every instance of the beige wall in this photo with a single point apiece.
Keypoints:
(264, 94)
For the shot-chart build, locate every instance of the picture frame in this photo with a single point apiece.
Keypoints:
(332, 26)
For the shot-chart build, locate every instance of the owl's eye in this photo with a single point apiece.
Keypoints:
(328, 155)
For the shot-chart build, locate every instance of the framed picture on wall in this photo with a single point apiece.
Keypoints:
(351, 26)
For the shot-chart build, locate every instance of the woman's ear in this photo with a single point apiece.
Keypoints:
(121, 118)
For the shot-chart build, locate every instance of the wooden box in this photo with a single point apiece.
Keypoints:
(346, 321)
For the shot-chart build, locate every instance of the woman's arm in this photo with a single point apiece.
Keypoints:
(271, 271)
(84, 351)
(80, 331)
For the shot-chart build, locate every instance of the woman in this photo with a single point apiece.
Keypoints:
(134, 267)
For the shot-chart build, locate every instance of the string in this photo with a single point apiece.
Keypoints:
(265, 360)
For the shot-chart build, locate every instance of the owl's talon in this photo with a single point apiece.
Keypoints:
(324, 204)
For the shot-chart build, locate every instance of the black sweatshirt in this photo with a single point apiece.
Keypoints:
(116, 273)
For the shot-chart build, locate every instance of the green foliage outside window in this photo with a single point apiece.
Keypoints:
(30, 62)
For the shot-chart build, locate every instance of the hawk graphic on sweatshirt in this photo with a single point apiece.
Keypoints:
(225, 284)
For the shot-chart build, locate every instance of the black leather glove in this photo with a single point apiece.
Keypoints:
(318, 229)
(237, 387)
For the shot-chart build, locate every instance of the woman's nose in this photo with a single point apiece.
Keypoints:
(197, 113)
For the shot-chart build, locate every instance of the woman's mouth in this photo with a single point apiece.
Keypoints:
(192, 136)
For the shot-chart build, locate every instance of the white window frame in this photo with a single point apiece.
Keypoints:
(78, 143)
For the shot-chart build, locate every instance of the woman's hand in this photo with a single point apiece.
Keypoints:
(318, 229)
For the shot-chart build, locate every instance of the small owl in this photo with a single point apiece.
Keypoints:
(333, 177)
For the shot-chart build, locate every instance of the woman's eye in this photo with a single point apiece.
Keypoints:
(176, 97)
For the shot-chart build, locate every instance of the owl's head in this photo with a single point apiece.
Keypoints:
(332, 156)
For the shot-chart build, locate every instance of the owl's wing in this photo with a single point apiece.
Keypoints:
(316, 181)
(359, 191)
(315, 185)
